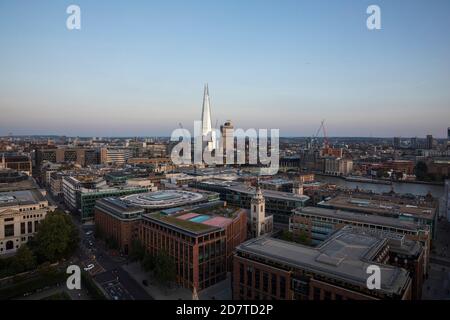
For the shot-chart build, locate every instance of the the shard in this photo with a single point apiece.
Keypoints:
(206, 121)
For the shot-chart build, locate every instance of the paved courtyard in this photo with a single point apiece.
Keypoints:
(437, 286)
(220, 291)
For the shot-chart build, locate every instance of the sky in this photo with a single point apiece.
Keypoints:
(137, 68)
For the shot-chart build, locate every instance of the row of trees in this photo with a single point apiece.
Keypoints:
(422, 174)
(57, 238)
(161, 265)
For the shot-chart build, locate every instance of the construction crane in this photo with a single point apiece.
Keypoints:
(324, 131)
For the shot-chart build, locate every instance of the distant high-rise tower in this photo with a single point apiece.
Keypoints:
(413, 143)
(227, 131)
(430, 140)
(397, 142)
(3, 163)
(206, 120)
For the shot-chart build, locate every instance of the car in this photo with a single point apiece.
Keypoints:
(89, 233)
(89, 267)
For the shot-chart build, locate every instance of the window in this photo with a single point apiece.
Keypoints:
(338, 297)
(257, 276)
(249, 276)
(274, 284)
(22, 228)
(30, 227)
(9, 230)
(316, 293)
(327, 295)
(282, 287)
(241, 273)
(265, 282)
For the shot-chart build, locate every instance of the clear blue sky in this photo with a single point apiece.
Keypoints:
(138, 67)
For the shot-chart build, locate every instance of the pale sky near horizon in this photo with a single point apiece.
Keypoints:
(137, 68)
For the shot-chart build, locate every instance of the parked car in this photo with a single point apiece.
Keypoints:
(89, 267)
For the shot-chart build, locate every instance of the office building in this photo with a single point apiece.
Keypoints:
(16, 161)
(318, 224)
(338, 166)
(278, 204)
(421, 214)
(117, 156)
(397, 143)
(77, 155)
(200, 240)
(20, 215)
(80, 193)
(165, 199)
(413, 143)
(447, 199)
(267, 268)
(429, 142)
(10, 176)
(227, 131)
(71, 185)
(86, 198)
(118, 220)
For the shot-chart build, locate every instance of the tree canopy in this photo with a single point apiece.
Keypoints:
(56, 238)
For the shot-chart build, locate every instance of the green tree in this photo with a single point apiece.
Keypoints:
(421, 171)
(137, 251)
(56, 238)
(24, 260)
(148, 262)
(303, 238)
(165, 269)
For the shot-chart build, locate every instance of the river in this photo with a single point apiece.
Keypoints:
(402, 188)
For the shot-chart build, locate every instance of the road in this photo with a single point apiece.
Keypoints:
(107, 270)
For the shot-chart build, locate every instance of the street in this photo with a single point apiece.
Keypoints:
(107, 271)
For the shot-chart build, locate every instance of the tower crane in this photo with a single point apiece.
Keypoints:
(316, 135)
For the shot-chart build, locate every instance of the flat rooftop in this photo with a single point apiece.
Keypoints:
(383, 207)
(269, 193)
(184, 225)
(200, 218)
(118, 207)
(21, 197)
(276, 182)
(165, 199)
(359, 217)
(344, 256)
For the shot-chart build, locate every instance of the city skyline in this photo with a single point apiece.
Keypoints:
(139, 70)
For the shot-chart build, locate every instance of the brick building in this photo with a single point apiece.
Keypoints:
(200, 240)
(118, 220)
(268, 268)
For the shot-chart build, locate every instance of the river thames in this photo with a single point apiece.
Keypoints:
(402, 188)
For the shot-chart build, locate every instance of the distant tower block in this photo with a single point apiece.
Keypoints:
(227, 131)
(3, 163)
